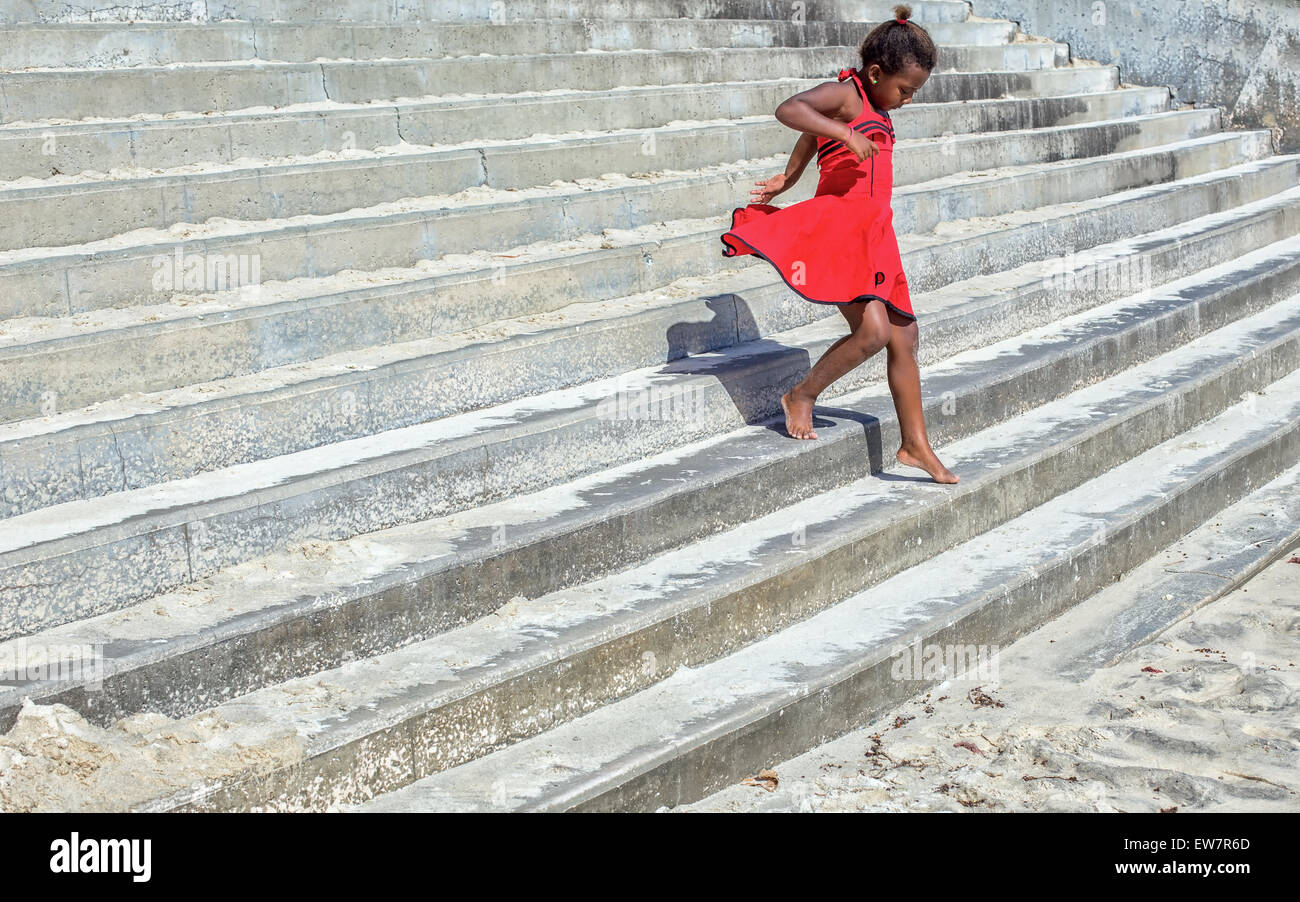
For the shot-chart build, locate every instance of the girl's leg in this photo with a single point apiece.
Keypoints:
(905, 385)
(870, 332)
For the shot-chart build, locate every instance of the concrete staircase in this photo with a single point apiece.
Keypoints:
(379, 381)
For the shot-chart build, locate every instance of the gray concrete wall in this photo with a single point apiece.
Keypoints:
(1241, 55)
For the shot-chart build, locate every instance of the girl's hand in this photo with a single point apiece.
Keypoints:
(861, 145)
(768, 189)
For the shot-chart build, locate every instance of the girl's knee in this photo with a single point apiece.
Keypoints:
(871, 335)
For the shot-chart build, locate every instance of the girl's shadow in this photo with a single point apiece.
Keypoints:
(756, 371)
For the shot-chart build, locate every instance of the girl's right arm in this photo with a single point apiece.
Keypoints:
(799, 157)
(803, 151)
(816, 112)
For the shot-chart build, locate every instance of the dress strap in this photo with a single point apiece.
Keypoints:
(862, 92)
(866, 101)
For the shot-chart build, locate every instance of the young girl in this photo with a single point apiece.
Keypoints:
(838, 247)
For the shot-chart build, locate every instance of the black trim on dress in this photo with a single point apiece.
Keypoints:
(862, 128)
(728, 251)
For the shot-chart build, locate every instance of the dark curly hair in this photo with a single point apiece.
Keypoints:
(894, 44)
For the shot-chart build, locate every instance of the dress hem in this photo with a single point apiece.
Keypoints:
(729, 251)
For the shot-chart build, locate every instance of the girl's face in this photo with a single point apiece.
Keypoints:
(889, 92)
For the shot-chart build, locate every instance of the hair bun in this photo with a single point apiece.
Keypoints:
(902, 12)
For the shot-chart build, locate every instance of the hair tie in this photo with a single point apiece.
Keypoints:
(901, 21)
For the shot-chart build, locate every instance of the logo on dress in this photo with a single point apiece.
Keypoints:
(880, 278)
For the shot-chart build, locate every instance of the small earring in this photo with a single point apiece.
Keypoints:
(873, 81)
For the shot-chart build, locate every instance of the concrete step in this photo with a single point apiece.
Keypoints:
(710, 724)
(1100, 479)
(970, 72)
(36, 349)
(112, 45)
(177, 140)
(1168, 358)
(408, 11)
(75, 210)
(132, 442)
(137, 268)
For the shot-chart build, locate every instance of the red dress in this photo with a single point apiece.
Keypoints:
(839, 245)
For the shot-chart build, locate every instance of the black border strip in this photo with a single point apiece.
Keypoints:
(862, 128)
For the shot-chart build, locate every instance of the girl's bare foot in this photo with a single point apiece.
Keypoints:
(925, 459)
(798, 415)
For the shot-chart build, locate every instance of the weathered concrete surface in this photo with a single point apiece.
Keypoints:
(129, 444)
(1172, 687)
(1241, 55)
(175, 532)
(777, 602)
(386, 510)
(87, 210)
(452, 575)
(154, 44)
(459, 10)
(36, 94)
(222, 137)
(700, 729)
(151, 349)
(379, 723)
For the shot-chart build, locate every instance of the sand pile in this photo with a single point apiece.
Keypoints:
(54, 760)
